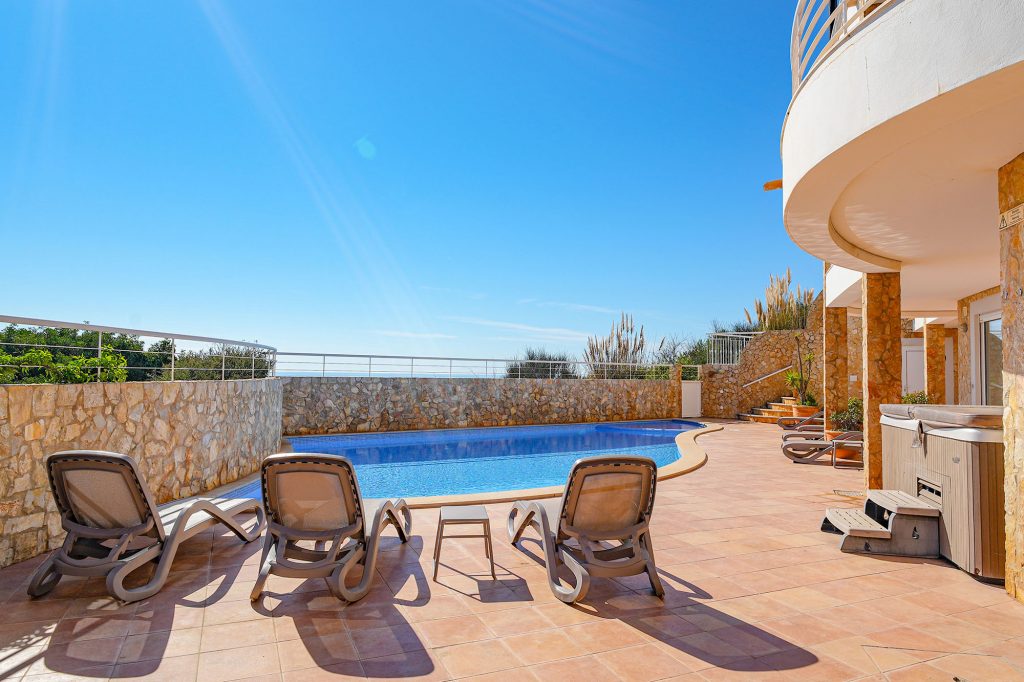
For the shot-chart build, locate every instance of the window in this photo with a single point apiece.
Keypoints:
(991, 360)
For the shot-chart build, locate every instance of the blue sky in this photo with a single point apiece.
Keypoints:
(450, 178)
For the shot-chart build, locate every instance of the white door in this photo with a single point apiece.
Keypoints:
(913, 369)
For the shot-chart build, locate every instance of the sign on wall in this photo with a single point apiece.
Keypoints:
(1012, 217)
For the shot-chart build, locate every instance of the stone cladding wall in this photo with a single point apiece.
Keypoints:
(882, 347)
(855, 359)
(187, 436)
(315, 405)
(722, 392)
(1011, 258)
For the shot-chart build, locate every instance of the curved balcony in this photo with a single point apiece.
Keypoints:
(902, 112)
(819, 26)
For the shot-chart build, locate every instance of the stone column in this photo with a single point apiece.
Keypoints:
(1011, 259)
(883, 362)
(935, 363)
(835, 364)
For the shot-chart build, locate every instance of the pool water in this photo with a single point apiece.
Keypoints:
(459, 461)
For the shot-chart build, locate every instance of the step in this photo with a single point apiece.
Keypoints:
(856, 523)
(788, 400)
(758, 418)
(899, 502)
(781, 406)
(772, 413)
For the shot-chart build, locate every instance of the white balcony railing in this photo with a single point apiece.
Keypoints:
(819, 26)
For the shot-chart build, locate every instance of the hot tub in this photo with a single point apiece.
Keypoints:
(952, 456)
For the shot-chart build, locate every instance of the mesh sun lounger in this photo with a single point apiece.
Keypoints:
(807, 451)
(315, 499)
(606, 500)
(113, 526)
(815, 421)
(804, 433)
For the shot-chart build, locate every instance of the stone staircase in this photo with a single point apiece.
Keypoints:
(770, 413)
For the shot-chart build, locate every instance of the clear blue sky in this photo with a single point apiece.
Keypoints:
(455, 178)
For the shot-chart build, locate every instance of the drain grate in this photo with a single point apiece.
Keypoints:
(849, 493)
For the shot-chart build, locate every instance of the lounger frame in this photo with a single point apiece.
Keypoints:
(336, 551)
(587, 554)
(117, 551)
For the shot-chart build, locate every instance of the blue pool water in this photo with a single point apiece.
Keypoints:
(454, 461)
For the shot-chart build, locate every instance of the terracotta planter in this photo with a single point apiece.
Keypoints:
(804, 410)
(842, 453)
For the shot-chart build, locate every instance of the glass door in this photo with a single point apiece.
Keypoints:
(992, 360)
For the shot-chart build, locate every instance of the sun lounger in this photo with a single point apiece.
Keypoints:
(804, 433)
(315, 499)
(815, 421)
(113, 526)
(606, 500)
(808, 451)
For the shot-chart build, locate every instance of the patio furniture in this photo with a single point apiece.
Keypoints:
(607, 500)
(113, 526)
(462, 516)
(815, 421)
(806, 451)
(804, 433)
(314, 499)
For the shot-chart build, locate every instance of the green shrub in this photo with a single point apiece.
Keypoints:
(916, 398)
(850, 419)
(38, 366)
(538, 363)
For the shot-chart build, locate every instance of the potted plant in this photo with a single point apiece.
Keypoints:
(850, 419)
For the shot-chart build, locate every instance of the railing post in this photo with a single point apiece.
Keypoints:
(369, 365)
(412, 370)
(223, 362)
(449, 368)
(323, 365)
(253, 364)
(99, 356)
(172, 359)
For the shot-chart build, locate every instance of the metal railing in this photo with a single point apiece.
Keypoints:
(215, 358)
(426, 367)
(724, 348)
(767, 376)
(819, 26)
(172, 356)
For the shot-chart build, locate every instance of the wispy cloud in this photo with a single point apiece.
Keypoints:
(528, 330)
(412, 335)
(576, 307)
(475, 295)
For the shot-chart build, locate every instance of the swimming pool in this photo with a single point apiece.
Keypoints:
(461, 461)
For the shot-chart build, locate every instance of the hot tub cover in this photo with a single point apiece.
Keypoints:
(963, 416)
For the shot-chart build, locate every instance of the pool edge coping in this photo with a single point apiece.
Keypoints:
(691, 458)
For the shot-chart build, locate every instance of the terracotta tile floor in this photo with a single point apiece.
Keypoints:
(755, 591)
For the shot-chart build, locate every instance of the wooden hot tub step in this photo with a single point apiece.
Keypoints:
(856, 523)
(899, 502)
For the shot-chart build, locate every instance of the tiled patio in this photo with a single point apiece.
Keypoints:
(755, 591)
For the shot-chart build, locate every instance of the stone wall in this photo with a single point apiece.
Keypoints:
(187, 436)
(1011, 260)
(723, 394)
(342, 405)
(855, 359)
